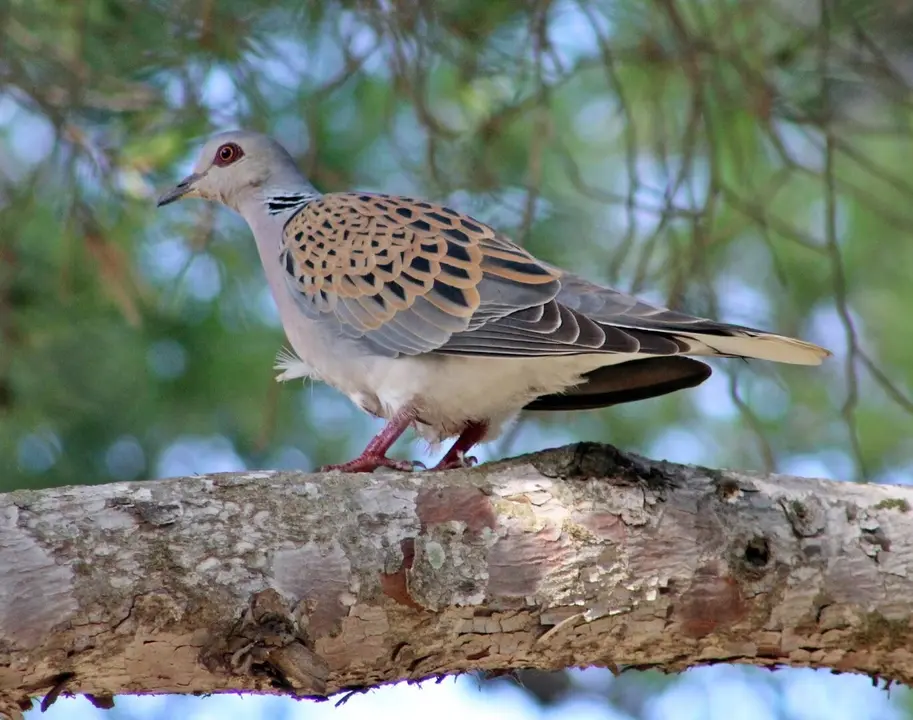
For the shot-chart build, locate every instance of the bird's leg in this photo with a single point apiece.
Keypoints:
(375, 454)
(456, 457)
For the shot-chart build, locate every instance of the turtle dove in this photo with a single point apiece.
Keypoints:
(427, 317)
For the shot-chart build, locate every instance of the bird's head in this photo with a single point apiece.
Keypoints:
(235, 166)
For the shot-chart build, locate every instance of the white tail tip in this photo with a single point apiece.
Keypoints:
(765, 346)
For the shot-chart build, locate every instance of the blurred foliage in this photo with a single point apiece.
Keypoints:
(744, 160)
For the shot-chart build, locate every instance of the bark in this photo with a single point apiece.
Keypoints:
(312, 584)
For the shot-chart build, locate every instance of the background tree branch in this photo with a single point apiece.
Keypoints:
(314, 584)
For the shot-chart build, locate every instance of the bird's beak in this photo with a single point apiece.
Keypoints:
(185, 187)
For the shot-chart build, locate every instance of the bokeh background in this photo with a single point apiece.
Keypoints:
(749, 161)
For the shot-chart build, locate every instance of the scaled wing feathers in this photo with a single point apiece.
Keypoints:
(406, 275)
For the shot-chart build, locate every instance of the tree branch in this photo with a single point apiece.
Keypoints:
(312, 584)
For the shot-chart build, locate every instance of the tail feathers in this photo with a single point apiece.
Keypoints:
(760, 346)
(627, 382)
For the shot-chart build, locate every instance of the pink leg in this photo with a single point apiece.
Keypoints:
(375, 454)
(456, 457)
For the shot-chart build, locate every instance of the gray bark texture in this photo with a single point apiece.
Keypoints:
(310, 584)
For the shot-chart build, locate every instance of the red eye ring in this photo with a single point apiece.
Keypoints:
(227, 154)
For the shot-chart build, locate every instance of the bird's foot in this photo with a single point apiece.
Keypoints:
(370, 463)
(453, 463)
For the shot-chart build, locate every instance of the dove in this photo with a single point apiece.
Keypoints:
(429, 318)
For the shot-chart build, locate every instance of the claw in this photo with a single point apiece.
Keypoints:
(462, 461)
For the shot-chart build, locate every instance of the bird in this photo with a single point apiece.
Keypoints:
(429, 318)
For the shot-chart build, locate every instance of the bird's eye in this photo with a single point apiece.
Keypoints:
(227, 154)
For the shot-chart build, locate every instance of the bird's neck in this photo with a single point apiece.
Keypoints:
(266, 212)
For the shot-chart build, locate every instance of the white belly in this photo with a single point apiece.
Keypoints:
(445, 392)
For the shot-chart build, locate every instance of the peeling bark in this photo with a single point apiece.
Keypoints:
(311, 584)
